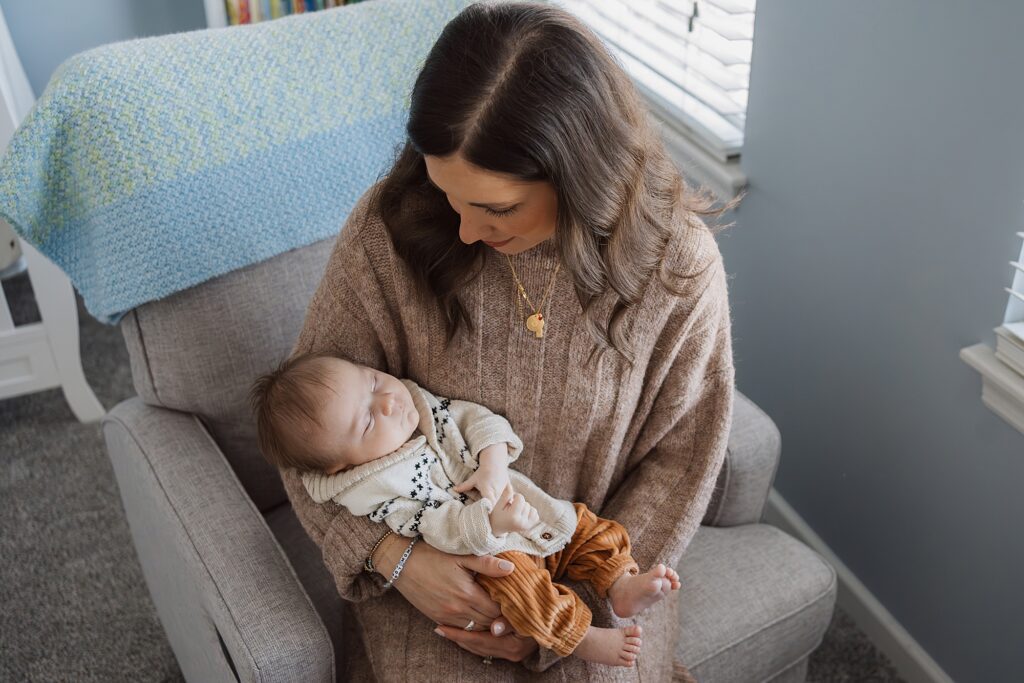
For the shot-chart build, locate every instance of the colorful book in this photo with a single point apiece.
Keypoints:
(243, 12)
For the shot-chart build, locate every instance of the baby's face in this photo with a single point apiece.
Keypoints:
(367, 416)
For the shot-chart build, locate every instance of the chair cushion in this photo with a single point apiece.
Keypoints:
(200, 350)
(754, 602)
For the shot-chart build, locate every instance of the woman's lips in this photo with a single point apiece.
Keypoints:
(498, 244)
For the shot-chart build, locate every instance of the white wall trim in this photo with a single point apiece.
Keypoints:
(910, 659)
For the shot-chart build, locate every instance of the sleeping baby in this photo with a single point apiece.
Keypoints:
(438, 468)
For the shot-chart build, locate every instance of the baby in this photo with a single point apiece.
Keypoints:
(439, 468)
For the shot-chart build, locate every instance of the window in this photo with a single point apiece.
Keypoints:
(691, 58)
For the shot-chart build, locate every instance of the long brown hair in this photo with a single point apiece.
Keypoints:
(527, 90)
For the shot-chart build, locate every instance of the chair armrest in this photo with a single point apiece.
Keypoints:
(751, 461)
(227, 596)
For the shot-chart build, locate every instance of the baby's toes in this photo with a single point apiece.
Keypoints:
(627, 658)
(659, 570)
(630, 647)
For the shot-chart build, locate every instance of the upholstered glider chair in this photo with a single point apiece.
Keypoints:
(242, 591)
(192, 187)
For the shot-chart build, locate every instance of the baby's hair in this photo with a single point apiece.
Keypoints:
(287, 404)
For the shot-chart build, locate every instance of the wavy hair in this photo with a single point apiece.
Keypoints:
(525, 89)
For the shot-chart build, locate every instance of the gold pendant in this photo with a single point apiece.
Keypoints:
(535, 324)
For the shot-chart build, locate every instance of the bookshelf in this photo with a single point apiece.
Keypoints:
(216, 13)
(220, 13)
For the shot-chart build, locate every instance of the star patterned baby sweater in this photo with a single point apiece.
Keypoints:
(410, 489)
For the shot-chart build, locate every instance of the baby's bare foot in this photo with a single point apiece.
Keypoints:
(632, 594)
(611, 646)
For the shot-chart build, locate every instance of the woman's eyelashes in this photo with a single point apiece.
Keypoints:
(503, 212)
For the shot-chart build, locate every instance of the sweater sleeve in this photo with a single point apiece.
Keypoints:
(460, 529)
(672, 469)
(337, 320)
(481, 428)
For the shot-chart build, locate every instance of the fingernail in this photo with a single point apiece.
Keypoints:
(439, 632)
(505, 564)
(498, 629)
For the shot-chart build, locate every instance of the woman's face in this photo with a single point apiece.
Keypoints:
(506, 214)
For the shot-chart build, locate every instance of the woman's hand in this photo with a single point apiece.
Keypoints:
(441, 585)
(510, 646)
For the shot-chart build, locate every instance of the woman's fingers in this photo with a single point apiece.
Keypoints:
(487, 565)
(499, 627)
(486, 645)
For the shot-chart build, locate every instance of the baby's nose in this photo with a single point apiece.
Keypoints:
(389, 406)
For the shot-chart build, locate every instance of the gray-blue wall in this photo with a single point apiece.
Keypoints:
(885, 151)
(46, 32)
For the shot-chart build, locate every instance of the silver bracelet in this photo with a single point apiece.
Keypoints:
(401, 563)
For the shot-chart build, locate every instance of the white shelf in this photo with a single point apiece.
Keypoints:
(1002, 388)
(216, 13)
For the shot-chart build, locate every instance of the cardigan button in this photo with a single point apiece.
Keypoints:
(546, 535)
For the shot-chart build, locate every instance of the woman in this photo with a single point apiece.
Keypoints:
(532, 249)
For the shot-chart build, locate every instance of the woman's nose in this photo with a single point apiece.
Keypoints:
(470, 233)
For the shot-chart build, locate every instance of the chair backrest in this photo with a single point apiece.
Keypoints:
(199, 351)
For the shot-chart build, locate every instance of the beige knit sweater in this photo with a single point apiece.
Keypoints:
(640, 444)
(410, 489)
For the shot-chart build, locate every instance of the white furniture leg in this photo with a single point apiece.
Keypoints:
(41, 355)
(56, 300)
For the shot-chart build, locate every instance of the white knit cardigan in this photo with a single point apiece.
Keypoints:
(410, 489)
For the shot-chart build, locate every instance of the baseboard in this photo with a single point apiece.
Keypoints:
(909, 658)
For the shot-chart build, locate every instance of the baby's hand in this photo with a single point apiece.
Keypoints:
(513, 513)
(489, 480)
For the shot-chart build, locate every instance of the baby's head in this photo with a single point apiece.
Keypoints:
(318, 412)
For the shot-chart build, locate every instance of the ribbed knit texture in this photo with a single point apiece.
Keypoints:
(641, 445)
(151, 165)
(552, 614)
(410, 489)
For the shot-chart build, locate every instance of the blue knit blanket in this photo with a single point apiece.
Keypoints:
(152, 165)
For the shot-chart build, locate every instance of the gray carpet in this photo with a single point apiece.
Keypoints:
(74, 602)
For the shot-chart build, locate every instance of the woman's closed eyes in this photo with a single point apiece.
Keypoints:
(503, 212)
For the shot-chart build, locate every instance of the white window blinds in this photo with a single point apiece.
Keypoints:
(690, 57)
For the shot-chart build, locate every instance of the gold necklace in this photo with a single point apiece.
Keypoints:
(534, 323)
